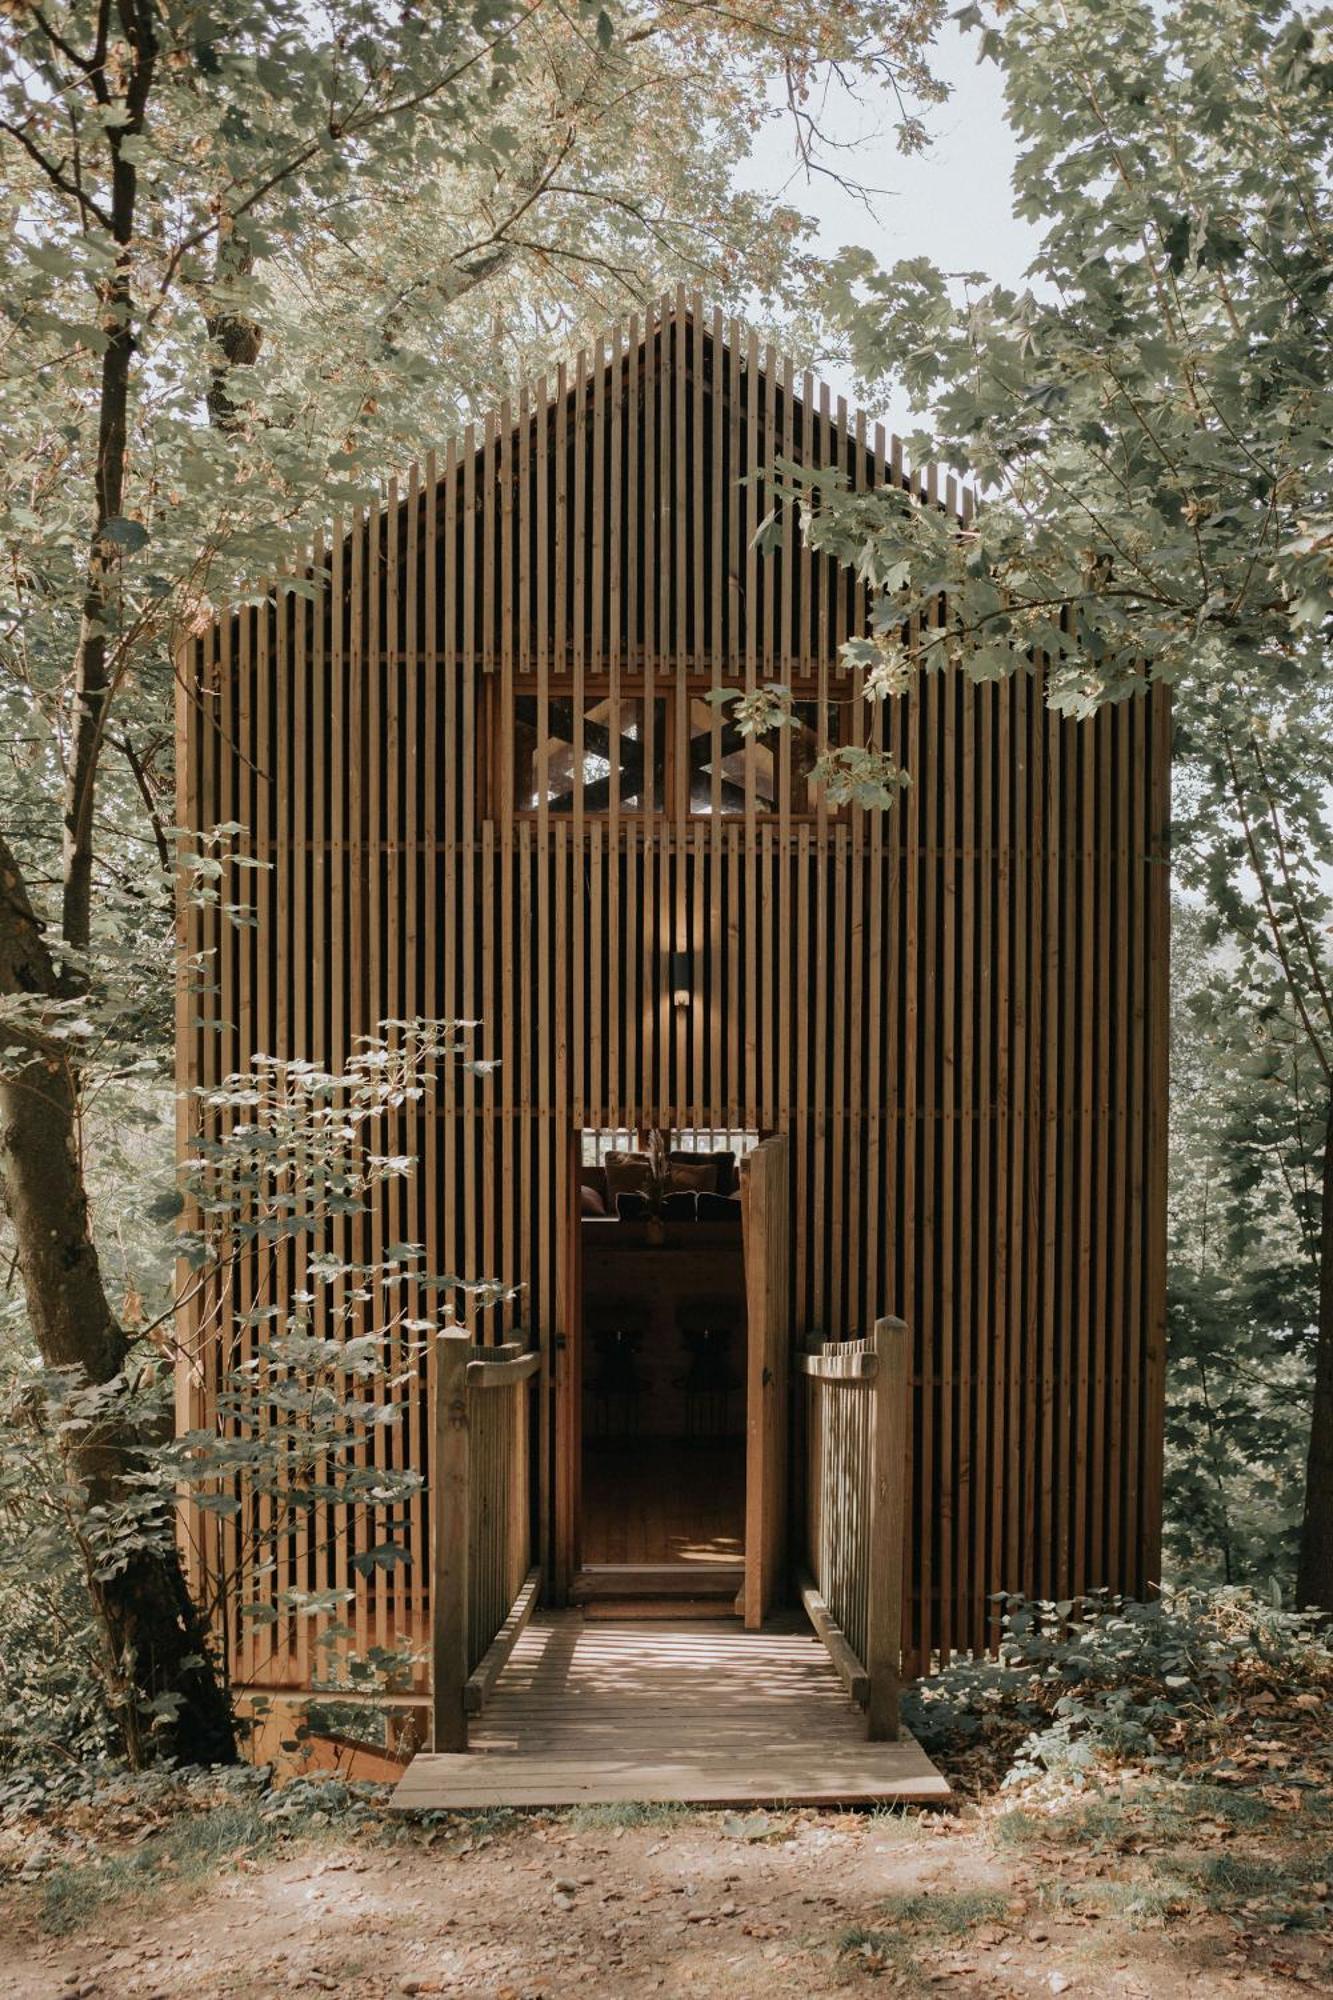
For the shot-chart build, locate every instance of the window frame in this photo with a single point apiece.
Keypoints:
(665, 688)
(595, 689)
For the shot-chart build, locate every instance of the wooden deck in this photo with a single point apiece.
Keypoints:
(700, 1713)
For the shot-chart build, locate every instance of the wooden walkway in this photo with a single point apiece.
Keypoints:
(699, 1712)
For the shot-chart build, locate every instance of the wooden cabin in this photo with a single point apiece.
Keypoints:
(772, 1074)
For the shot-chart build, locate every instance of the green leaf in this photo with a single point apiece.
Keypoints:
(126, 534)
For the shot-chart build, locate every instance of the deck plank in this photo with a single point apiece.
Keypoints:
(681, 1711)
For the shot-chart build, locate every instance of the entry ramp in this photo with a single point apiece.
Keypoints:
(691, 1712)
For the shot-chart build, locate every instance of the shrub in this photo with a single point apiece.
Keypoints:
(1106, 1678)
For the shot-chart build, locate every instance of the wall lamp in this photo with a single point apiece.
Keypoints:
(681, 976)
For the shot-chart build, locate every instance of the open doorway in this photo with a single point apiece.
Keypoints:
(662, 1342)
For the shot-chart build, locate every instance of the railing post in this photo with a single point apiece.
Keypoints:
(450, 1480)
(888, 1513)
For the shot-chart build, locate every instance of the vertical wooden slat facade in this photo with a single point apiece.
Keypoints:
(956, 1011)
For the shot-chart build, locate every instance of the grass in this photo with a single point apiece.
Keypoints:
(944, 1912)
(628, 1813)
(879, 1951)
(1111, 1824)
(1142, 1899)
(928, 1916)
(203, 1839)
(1289, 1889)
(1208, 1863)
(892, 1817)
(72, 1894)
(482, 1822)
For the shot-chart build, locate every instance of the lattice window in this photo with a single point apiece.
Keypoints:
(719, 756)
(593, 750)
(642, 766)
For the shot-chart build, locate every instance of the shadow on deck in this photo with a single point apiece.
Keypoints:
(695, 1712)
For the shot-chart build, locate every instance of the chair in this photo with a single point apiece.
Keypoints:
(614, 1330)
(707, 1329)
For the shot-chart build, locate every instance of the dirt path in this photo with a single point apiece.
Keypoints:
(723, 1905)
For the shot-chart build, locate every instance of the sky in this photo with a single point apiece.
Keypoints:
(951, 203)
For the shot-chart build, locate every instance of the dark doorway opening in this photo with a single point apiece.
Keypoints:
(662, 1395)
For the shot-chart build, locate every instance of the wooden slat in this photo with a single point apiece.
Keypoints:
(449, 1543)
(886, 1531)
(767, 1223)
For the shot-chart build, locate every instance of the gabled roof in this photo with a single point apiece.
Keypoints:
(608, 513)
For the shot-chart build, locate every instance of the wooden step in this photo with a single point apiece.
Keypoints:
(658, 1607)
(679, 1582)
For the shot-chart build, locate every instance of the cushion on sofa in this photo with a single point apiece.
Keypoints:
(590, 1202)
(723, 1164)
(627, 1173)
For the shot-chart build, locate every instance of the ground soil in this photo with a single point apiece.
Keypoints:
(783, 1904)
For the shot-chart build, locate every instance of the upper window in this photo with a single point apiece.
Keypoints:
(727, 755)
(590, 764)
(643, 765)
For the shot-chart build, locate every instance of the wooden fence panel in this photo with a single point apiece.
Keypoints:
(856, 1412)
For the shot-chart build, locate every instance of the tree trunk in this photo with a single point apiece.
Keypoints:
(115, 298)
(155, 1642)
(1314, 1574)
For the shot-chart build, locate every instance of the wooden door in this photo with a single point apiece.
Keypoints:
(565, 1428)
(766, 1218)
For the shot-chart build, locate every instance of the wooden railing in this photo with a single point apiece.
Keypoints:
(856, 1494)
(482, 1586)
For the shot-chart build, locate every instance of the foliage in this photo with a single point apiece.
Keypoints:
(1149, 420)
(1081, 1686)
(348, 235)
(52, 1705)
(1247, 1132)
(287, 1152)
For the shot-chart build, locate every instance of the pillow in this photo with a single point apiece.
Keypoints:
(590, 1202)
(627, 1173)
(594, 1178)
(692, 1176)
(723, 1165)
(681, 1207)
(632, 1207)
(719, 1207)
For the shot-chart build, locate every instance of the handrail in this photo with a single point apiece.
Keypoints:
(489, 1374)
(488, 1669)
(856, 1435)
(849, 1361)
(482, 1588)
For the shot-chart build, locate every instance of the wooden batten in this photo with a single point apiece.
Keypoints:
(955, 1012)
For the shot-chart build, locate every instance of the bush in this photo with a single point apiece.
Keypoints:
(1107, 1679)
